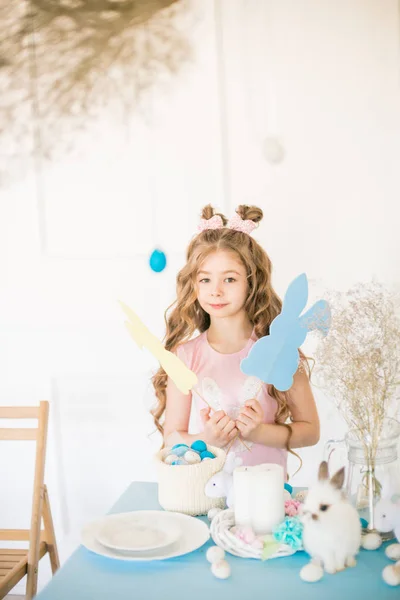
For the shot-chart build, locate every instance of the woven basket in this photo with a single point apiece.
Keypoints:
(181, 487)
(224, 538)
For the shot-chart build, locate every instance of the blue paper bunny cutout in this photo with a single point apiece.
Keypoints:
(274, 358)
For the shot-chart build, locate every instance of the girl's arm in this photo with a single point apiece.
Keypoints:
(177, 415)
(305, 421)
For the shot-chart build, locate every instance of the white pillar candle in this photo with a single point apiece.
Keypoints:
(259, 497)
(242, 489)
(267, 506)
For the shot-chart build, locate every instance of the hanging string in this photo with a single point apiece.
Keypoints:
(223, 108)
(36, 124)
(158, 258)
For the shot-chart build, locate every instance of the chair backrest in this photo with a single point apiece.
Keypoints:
(40, 540)
(21, 412)
(39, 435)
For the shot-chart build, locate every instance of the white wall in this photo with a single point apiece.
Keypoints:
(324, 78)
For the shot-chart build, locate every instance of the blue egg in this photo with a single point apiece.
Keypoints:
(364, 523)
(199, 446)
(181, 450)
(288, 488)
(178, 445)
(206, 454)
(158, 261)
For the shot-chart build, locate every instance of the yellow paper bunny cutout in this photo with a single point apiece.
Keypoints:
(183, 377)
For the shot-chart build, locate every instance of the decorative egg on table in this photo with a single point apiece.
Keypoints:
(221, 569)
(391, 574)
(311, 572)
(371, 541)
(215, 554)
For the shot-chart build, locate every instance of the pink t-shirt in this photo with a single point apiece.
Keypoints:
(223, 385)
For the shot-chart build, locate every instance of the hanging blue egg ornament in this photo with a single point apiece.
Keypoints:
(158, 261)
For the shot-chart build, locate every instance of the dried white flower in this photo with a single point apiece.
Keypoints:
(358, 363)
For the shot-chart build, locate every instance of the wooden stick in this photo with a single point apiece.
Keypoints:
(231, 444)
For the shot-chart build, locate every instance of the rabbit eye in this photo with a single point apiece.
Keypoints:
(323, 507)
(383, 516)
(213, 484)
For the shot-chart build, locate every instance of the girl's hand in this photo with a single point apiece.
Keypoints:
(250, 419)
(219, 429)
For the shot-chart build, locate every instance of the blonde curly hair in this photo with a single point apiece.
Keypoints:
(185, 316)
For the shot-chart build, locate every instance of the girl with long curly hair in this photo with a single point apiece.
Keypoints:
(224, 294)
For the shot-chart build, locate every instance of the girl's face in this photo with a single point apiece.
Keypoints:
(222, 286)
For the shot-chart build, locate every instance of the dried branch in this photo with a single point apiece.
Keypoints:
(358, 364)
(88, 55)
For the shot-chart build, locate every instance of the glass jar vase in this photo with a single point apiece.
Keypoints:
(369, 475)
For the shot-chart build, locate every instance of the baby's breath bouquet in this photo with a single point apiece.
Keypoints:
(358, 365)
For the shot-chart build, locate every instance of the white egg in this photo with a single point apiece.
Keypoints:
(311, 573)
(391, 574)
(393, 551)
(170, 459)
(274, 151)
(213, 513)
(301, 496)
(215, 554)
(221, 569)
(371, 541)
(191, 457)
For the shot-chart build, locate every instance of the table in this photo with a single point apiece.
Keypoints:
(87, 576)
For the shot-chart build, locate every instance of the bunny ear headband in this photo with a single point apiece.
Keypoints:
(236, 223)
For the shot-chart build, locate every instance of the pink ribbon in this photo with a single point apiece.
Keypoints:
(243, 225)
(236, 223)
(214, 223)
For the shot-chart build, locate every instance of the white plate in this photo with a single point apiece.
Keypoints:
(138, 531)
(194, 534)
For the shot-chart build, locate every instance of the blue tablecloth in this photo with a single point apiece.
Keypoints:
(87, 576)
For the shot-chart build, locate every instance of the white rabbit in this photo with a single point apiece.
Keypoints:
(332, 528)
(387, 518)
(220, 485)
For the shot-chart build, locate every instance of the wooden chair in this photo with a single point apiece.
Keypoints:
(15, 564)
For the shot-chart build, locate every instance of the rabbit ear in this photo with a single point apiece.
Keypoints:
(338, 479)
(231, 462)
(249, 389)
(211, 392)
(323, 472)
